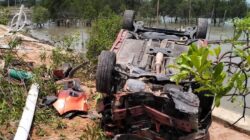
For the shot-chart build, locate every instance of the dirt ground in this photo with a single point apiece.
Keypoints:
(219, 132)
(73, 129)
(30, 49)
(76, 126)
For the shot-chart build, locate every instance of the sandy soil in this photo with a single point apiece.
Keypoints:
(30, 49)
(72, 130)
(219, 132)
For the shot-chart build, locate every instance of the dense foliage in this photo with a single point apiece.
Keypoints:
(4, 16)
(185, 9)
(147, 8)
(102, 35)
(222, 73)
(211, 75)
(40, 15)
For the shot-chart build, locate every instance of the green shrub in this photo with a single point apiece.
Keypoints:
(102, 35)
(4, 16)
(40, 15)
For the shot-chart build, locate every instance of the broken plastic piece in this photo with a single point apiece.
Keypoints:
(58, 74)
(62, 72)
(48, 100)
(74, 84)
(19, 75)
(69, 100)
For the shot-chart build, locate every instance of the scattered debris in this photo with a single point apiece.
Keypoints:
(73, 83)
(48, 100)
(62, 72)
(70, 100)
(19, 74)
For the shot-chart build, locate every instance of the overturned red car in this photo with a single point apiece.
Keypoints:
(140, 101)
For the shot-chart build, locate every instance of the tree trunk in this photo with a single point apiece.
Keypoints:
(164, 20)
(214, 20)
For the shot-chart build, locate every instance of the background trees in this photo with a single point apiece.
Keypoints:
(91, 9)
(39, 15)
(4, 15)
(184, 9)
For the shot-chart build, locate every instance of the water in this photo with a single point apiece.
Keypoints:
(226, 32)
(55, 35)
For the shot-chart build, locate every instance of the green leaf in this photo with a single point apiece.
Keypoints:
(217, 70)
(217, 51)
(237, 35)
(180, 76)
(196, 60)
(184, 66)
(248, 60)
(240, 52)
(202, 89)
(204, 56)
(217, 100)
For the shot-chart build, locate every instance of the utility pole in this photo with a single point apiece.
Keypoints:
(158, 7)
(8, 3)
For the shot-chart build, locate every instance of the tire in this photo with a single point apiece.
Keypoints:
(104, 74)
(128, 20)
(202, 28)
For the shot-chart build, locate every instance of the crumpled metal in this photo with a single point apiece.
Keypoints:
(70, 100)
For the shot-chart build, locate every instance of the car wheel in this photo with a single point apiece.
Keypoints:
(128, 19)
(104, 74)
(202, 28)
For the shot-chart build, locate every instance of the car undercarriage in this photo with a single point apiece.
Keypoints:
(140, 101)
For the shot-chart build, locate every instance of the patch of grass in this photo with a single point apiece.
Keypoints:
(93, 133)
(62, 137)
(61, 55)
(41, 132)
(61, 125)
(46, 116)
(4, 14)
(12, 101)
(102, 35)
